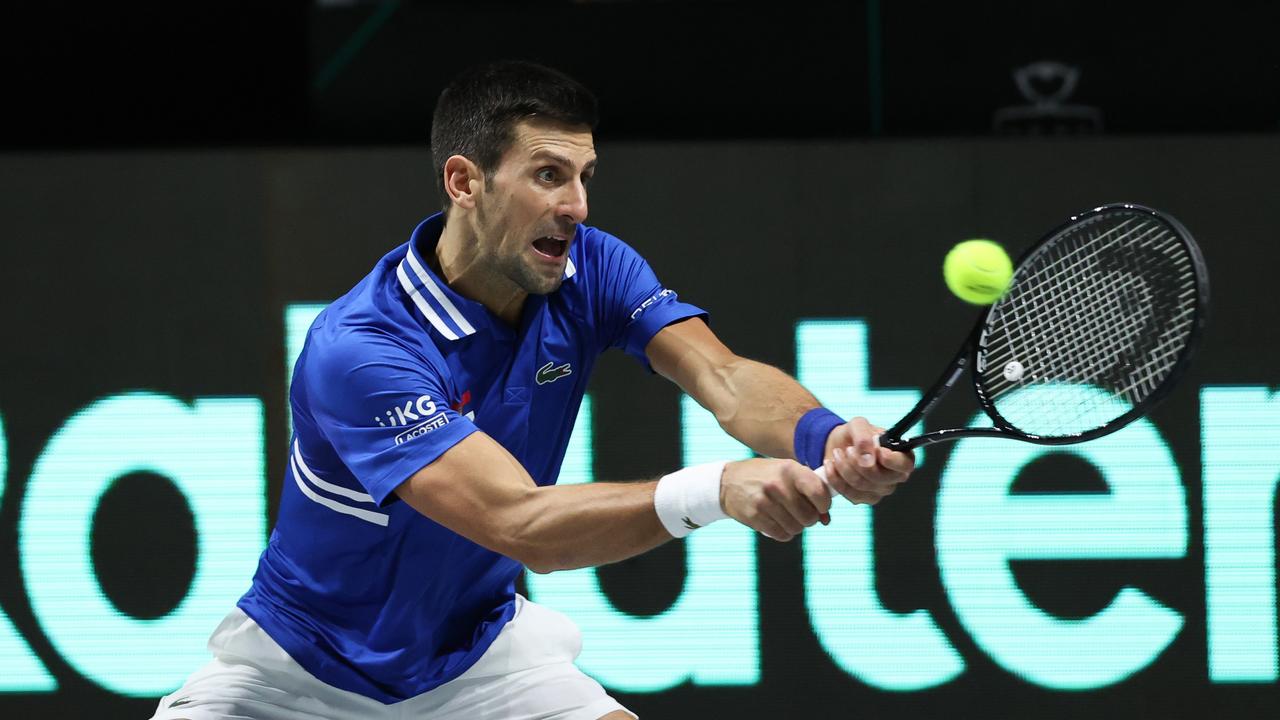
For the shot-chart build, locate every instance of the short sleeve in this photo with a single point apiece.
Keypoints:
(384, 409)
(636, 304)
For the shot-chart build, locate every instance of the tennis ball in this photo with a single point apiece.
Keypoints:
(977, 271)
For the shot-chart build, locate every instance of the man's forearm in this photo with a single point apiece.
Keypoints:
(564, 527)
(756, 403)
(478, 490)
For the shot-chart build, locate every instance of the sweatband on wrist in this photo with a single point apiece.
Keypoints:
(690, 498)
(811, 436)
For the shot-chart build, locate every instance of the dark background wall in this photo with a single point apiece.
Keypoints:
(368, 71)
(170, 272)
(174, 178)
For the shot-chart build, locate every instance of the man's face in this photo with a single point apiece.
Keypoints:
(533, 203)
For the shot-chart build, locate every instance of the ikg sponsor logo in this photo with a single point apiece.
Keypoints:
(411, 412)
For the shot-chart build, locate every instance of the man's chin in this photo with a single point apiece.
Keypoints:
(546, 287)
(540, 279)
(541, 284)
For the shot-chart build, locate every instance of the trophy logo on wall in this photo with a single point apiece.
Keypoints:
(1047, 86)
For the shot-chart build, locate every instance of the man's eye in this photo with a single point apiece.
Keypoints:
(547, 175)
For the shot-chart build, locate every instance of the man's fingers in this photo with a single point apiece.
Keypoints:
(778, 498)
(899, 462)
(865, 449)
(849, 469)
(852, 492)
(886, 465)
(858, 484)
(812, 489)
(770, 529)
(862, 471)
(865, 444)
(781, 525)
(848, 491)
(798, 492)
(841, 475)
(858, 497)
(795, 512)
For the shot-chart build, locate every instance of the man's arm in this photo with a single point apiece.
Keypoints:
(760, 406)
(478, 490)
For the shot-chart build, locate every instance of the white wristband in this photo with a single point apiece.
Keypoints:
(690, 498)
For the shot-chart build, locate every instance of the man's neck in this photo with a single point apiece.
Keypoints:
(457, 260)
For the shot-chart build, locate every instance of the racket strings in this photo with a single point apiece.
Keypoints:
(1098, 311)
(1044, 290)
(1146, 381)
(1150, 356)
(1039, 287)
(1109, 320)
(1172, 303)
(1083, 366)
(1109, 303)
(1097, 316)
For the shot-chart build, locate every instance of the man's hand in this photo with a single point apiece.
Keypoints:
(858, 468)
(779, 498)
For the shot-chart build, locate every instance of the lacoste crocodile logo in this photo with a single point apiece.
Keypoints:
(549, 374)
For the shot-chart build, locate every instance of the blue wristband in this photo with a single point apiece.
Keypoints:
(811, 435)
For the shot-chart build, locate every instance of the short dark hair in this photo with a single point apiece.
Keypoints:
(476, 114)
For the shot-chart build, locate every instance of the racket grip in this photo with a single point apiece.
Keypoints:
(822, 473)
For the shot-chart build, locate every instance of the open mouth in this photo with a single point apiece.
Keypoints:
(551, 247)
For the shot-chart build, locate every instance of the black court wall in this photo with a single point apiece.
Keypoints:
(152, 302)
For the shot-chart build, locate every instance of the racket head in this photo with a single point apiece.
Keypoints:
(1100, 321)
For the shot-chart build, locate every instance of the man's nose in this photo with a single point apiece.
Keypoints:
(573, 203)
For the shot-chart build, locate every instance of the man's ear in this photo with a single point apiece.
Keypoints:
(463, 181)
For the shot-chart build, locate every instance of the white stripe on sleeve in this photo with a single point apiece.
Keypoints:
(328, 486)
(366, 515)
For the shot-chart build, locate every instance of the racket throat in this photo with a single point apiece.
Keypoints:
(892, 439)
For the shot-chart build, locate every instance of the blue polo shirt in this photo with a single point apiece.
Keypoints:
(359, 588)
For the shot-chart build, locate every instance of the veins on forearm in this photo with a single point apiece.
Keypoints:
(759, 405)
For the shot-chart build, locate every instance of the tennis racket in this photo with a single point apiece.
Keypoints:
(1098, 324)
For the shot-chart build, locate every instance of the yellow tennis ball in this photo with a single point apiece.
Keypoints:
(977, 271)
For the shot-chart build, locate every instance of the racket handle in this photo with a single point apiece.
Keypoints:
(822, 473)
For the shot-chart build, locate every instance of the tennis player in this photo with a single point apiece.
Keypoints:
(432, 405)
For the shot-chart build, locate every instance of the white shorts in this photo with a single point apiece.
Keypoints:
(528, 672)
